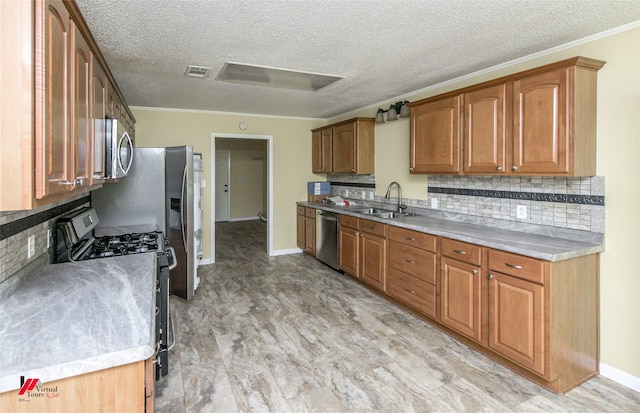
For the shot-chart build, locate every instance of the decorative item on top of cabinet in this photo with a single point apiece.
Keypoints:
(345, 147)
(538, 122)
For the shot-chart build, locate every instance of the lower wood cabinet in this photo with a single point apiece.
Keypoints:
(126, 388)
(516, 320)
(306, 230)
(539, 318)
(373, 254)
(460, 297)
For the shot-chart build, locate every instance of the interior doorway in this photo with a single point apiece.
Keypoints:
(266, 162)
(222, 194)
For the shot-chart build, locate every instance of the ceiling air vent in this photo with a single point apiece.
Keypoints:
(197, 71)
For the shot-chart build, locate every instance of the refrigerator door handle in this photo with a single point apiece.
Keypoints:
(174, 260)
(182, 211)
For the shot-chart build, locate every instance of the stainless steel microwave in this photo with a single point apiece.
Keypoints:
(118, 150)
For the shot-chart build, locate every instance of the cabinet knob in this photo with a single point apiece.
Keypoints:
(353, 170)
(474, 272)
(410, 169)
(498, 168)
(514, 168)
(490, 276)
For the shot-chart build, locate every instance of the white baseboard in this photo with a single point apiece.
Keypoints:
(620, 376)
(206, 261)
(286, 252)
(244, 219)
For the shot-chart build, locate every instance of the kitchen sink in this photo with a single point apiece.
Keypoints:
(371, 211)
(382, 213)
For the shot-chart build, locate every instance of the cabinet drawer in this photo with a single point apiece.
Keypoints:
(411, 291)
(522, 267)
(300, 210)
(413, 238)
(462, 251)
(349, 221)
(311, 212)
(413, 261)
(373, 227)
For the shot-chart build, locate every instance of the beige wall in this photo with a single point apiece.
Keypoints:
(291, 157)
(618, 154)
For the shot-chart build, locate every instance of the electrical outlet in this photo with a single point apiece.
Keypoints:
(521, 211)
(31, 246)
(434, 203)
(48, 238)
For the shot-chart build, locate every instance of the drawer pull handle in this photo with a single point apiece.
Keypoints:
(460, 252)
(410, 239)
(409, 261)
(409, 291)
(517, 267)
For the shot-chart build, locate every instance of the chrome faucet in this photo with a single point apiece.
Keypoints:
(401, 206)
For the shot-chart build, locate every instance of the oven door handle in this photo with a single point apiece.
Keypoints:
(174, 260)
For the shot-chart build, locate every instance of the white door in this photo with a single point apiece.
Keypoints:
(223, 164)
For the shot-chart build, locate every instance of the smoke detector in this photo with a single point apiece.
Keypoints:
(197, 71)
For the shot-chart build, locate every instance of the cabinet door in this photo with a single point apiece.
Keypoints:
(300, 230)
(435, 137)
(98, 99)
(349, 249)
(110, 101)
(316, 152)
(540, 126)
(51, 84)
(516, 320)
(81, 109)
(485, 130)
(310, 236)
(344, 148)
(460, 297)
(321, 151)
(373, 260)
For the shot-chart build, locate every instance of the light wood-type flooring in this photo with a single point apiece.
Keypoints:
(289, 334)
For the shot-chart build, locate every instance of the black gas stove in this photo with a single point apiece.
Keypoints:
(75, 241)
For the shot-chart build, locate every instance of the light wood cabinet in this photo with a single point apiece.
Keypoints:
(126, 388)
(49, 130)
(461, 288)
(349, 241)
(412, 269)
(435, 137)
(485, 130)
(346, 147)
(306, 229)
(322, 145)
(99, 87)
(373, 254)
(537, 122)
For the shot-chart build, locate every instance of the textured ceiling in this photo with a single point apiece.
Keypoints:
(382, 48)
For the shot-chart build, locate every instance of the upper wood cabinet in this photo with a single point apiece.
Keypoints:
(54, 104)
(346, 147)
(538, 122)
(435, 137)
(322, 145)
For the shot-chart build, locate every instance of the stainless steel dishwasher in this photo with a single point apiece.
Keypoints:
(327, 238)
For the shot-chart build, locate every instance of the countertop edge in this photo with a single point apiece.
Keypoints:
(587, 249)
(79, 367)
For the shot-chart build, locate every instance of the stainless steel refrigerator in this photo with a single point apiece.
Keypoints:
(158, 191)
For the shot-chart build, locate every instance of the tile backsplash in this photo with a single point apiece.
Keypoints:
(572, 203)
(17, 226)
